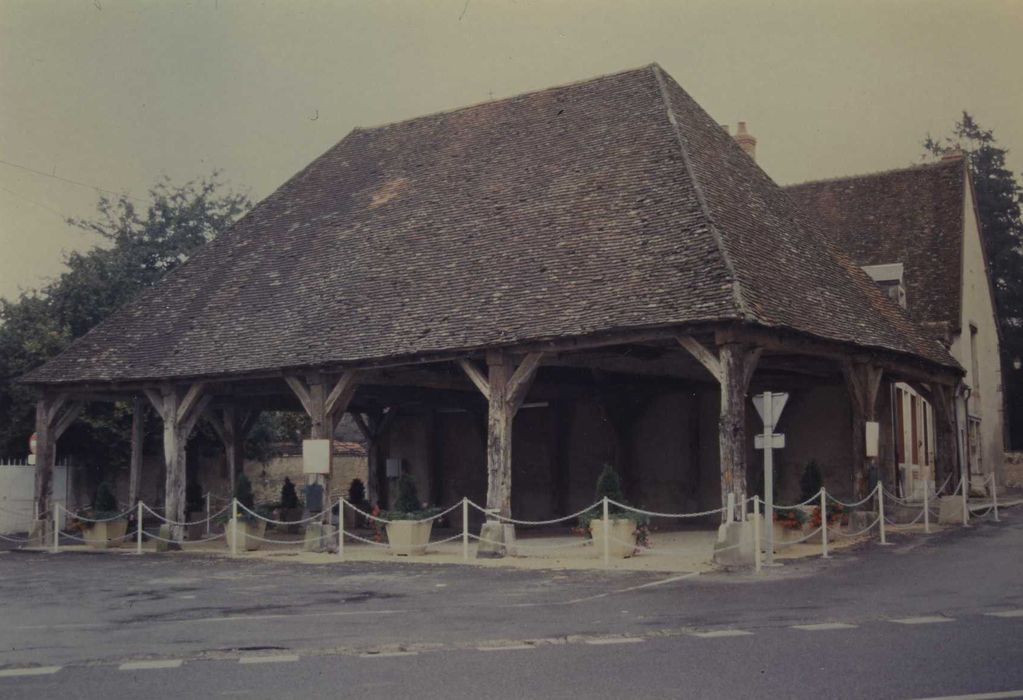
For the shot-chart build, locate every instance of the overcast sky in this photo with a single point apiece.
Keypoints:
(117, 94)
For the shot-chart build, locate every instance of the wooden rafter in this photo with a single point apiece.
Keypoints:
(704, 356)
(475, 376)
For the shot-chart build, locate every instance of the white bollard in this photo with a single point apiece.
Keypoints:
(138, 529)
(756, 534)
(234, 527)
(927, 508)
(607, 535)
(824, 524)
(880, 511)
(341, 529)
(56, 527)
(465, 529)
(994, 496)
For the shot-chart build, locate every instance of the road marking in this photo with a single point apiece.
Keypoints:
(615, 640)
(149, 665)
(68, 626)
(279, 659)
(1006, 613)
(673, 579)
(33, 671)
(923, 620)
(981, 696)
(721, 633)
(247, 618)
(379, 654)
(507, 647)
(820, 627)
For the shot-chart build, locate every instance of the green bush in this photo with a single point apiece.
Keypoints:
(609, 485)
(811, 481)
(406, 503)
(289, 497)
(357, 493)
(104, 505)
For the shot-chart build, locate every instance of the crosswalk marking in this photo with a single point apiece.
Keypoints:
(712, 634)
(30, 671)
(614, 640)
(822, 626)
(1006, 613)
(377, 655)
(923, 620)
(279, 659)
(507, 647)
(149, 665)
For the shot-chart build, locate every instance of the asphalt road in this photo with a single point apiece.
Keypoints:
(923, 618)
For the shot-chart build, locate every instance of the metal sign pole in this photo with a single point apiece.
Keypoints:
(769, 476)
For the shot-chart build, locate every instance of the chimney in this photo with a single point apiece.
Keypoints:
(953, 153)
(746, 141)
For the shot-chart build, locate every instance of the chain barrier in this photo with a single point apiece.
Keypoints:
(655, 514)
(189, 522)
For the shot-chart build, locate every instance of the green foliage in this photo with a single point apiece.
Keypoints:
(289, 497)
(406, 504)
(140, 246)
(999, 201)
(609, 485)
(243, 491)
(811, 481)
(104, 505)
(356, 492)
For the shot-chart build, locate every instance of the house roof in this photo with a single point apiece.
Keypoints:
(912, 216)
(611, 204)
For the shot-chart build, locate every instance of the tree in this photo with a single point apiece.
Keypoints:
(139, 247)
(999, 199)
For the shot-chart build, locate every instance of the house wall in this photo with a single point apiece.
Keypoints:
(986, 400)
(1013, 470)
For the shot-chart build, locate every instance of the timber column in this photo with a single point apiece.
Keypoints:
(862, 380)
(54, 413)
(504, 387)
(180, 409)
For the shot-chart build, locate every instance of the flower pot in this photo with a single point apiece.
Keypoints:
(248, 531)
(290, 515)
(408, 537)
(623, 537)
(109, 533)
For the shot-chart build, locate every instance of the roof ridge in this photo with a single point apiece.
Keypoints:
(737, 295)
(878, 173)
(509, 98)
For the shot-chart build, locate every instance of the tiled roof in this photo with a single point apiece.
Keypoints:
(611, 204)
(912, 216)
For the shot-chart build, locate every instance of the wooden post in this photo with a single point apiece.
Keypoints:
(505, 387)
(862, 380)
(733, 367)
(232, 425)
(946, 454)
(138, 434)
(180, 409)
(54, 414)
(373, 426)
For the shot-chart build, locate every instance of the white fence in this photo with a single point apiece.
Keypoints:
(17, 494)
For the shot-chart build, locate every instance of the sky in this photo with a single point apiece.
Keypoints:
(116, 95)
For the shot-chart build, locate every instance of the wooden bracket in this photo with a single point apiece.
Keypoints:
(704, 356)
(476, 377)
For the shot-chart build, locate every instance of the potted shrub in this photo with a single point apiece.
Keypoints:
(195, 507)
(408, 531)
(291, 509)
(357, 497)
(248, 526)
(626, 529)
(108, 533)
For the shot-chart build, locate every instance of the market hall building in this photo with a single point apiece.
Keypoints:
(510, 295)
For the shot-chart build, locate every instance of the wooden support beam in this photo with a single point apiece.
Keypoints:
(298, 386)
(704, 356)
(54, 415)
(138, 435)
(738, 362)
(862, 380)
(946, 454)
(476, 377)
(521, 379)
(341, 394)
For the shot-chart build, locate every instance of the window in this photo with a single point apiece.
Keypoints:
(889, 278)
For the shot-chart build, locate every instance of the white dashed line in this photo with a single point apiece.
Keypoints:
(822, 626)
(388, 654)
(1003, 695)
(33, 671)
(507, 647)
(1006, 613)
(149, 665)
(721, 633)
(615, 640)
(279, 659)
(923, 620)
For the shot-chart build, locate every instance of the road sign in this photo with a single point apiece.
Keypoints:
(769, 405)
(777, 404)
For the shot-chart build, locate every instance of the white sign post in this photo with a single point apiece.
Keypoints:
(769, 405)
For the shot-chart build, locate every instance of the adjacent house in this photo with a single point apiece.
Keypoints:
(916, 232)
(511, 294)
